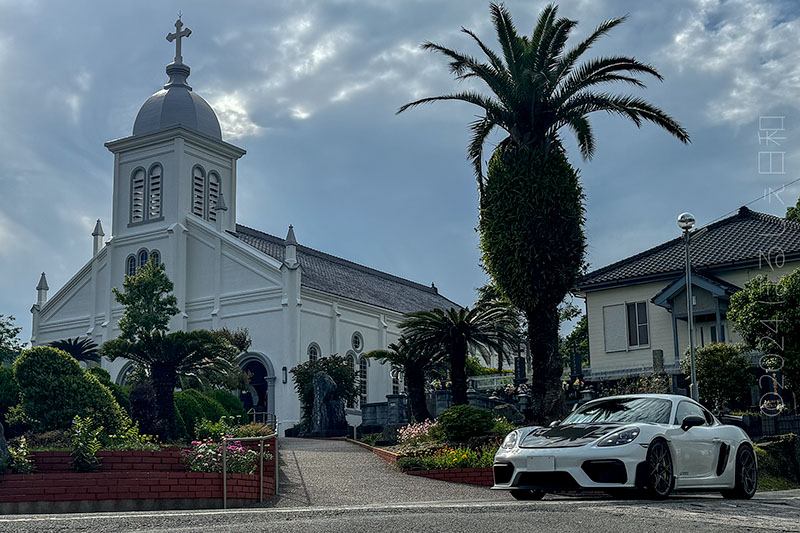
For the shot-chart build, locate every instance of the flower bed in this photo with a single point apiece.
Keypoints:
(127, 480)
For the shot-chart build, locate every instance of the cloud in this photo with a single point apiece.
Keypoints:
(231, 109)
(747, 43)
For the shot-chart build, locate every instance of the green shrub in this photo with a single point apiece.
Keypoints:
(55, 389)
(462, 422)
(129, 438)
(780, 457)
(9, 395)
(85, 444)
(194, 406)
(231, 403)
(180, 427)
(253, 429)
(502, 427)
(208, 430)
(100, 373)
(20, 461)
(447, 457)
(57, 439)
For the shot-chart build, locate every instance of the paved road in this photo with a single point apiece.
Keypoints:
(336, 487)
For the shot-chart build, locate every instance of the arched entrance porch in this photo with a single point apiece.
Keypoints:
(260, 394)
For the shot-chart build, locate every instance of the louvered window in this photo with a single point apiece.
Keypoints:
(154, 192)
(213, 195)
(362, 377)
(137, 196)
(199, 192)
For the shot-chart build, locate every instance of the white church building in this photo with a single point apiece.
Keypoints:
(174, 198)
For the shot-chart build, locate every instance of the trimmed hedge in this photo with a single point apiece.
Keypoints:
(55, 389)
(463, 422)
(121, 394)
(194, 406)
(780, 457)
(232, 404)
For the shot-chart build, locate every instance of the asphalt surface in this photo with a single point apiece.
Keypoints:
(334, 486)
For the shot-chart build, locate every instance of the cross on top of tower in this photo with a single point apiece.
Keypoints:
(177, 36)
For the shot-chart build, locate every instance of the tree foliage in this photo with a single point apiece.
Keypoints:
(148, 300)
(337, 367)
(484, 330)
(531, 219)
(416, 364)
(767, 315)
(10, 344)
(793, 212)
(723, 373)
(576, 340)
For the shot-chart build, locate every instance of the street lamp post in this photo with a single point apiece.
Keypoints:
(686, 223)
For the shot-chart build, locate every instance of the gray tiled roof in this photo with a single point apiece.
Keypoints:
(732, 243)
(344, 278)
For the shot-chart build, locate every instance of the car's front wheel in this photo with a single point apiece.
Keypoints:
(526, 494)
(746, 475)
(660, 474)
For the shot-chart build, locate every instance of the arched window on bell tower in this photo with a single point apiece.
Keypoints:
(213, 195)
(199, 191)
(154, 186)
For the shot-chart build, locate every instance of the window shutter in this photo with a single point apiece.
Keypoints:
(614, 328)
(137, 196)
(213, 195)
(154, 192)
(198, 192)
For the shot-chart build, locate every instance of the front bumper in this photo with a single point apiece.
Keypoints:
(584, 467)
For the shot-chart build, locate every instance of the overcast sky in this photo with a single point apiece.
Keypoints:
(310, 89)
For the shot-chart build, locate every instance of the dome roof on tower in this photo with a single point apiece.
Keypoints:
(176, 104)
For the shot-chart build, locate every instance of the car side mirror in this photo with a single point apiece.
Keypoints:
(692, 421)
(554, 423)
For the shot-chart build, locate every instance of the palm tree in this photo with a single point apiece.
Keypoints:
(531, 202)
(82, 349)
(483, 330)
(415, 365)
(199, 355)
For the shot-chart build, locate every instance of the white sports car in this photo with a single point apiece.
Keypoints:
(655, 443)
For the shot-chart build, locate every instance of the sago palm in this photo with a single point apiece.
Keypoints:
(415, 363)
(531, 202)
(81, 349)
(195, 355)
(483, 330)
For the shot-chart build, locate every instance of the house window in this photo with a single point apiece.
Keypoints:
(143, 256)
(154, 192)
(395, 382)
(155, 255)
(313, 352)
(137, 195)
(130, 268)
(351, 360)
(713, 334)
(357, 342)
(637, 324)
(362, 379)
(702, 338)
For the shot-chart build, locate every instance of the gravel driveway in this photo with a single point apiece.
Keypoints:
(336, 472)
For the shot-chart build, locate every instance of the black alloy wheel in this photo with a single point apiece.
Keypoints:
(746, 475)
(661, 477)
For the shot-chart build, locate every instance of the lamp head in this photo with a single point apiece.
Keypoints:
(686, 221)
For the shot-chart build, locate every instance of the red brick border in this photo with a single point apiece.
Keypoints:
(129, 475)
(481, 477)
(389, 457)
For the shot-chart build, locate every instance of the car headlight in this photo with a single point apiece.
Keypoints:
(510, 441)
(623, 436)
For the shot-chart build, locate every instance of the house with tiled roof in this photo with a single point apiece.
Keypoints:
(175, 185)
(637, 308)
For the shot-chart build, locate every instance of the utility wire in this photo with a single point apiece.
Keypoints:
(751, 202)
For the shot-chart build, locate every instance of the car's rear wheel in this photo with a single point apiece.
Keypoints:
(527, 494)
(746, 475)
(660, 474)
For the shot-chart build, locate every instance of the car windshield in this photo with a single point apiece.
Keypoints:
(624, 410)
